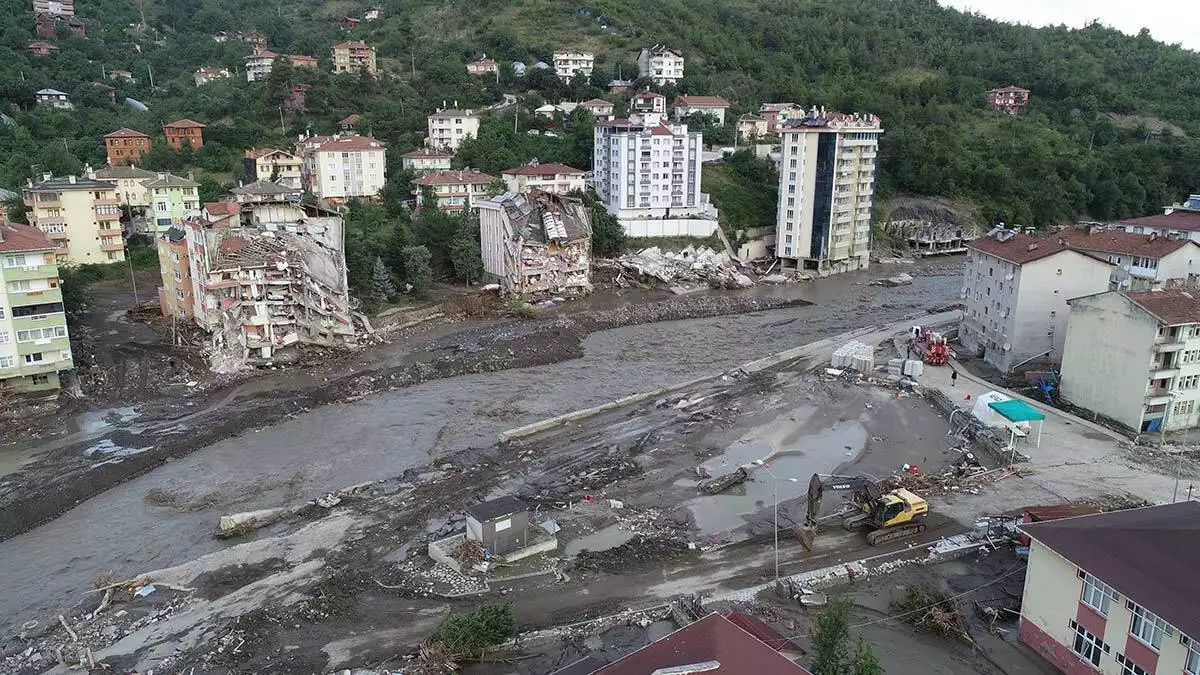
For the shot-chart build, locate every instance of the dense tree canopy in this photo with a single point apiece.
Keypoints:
(1091, 144)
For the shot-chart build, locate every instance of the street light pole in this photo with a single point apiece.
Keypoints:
(775, 496)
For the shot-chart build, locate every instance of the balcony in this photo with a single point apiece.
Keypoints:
(1157, 396)
(39, 321)
(30, 272)
(109, 232)
(1168, 344)
(116, 215)
(1163, 371)
(48, 347)
(108, 201)
(120, 246)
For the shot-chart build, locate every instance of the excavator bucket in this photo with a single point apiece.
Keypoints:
(807, 534)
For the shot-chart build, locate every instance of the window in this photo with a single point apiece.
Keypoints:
(33, 358)
(1128, 667)
(47, 333)
(1191, 666)
(3, 337)
(18, 286)
(1147, 627)
(1096, 593)
(40, 379)
(1184, 408)
(1, 312)
(7, 362)
(1089, 647)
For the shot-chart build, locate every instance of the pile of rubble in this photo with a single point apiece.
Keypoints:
(689, 268)
(964, 476)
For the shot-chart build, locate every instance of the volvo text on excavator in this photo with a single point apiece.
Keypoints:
(889, 516)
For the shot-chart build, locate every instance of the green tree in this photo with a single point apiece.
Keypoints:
(465, 254)
(75, 291)
(210, 189)
(381, 282)
(468, 636)
(417, 266)
(832, 644)
(608, 237)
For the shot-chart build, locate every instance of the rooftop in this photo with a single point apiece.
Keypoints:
(263, 152)
(171, 180)
(349, 142)
(263, 187)
(222, 208)
(352, 44)
(122, 171)
(496, 508)
(464, 177)
(1148, 554)
(1183, 221)
(536, 169)
(1009, 89)
(820, 119)
(1122, 242)
(428, 153)
(51, 92)
(1170, 307)
(543, 217)
(15, 238)
(71, 183)
(350, 120)
(596, 103)
(125, 132)
(451, 112)
(1015, 247)
(701, 101)
(714, 640)
(184, 124)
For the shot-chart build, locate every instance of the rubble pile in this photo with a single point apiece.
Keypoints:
(690, 267)
(962, 477)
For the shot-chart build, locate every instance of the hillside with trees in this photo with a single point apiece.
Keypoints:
(1087, 147)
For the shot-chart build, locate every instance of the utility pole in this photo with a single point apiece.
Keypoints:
(413, 57)
(132, 280)
(151, 72)
(282, 129)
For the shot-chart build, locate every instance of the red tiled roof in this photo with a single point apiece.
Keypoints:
(263, 52)
(1008, 89)
(713, 638)
(1170, 307)
(352, 44)
(700, 102)
(1147, 554)
(124, 132)
(1184, 221)
(184, 124)
(1020, 248)
(256, 154)
(660, 130)
(15, 238)
(350, 120)
(466, 177)
(484, 62)
(1120, 241)
(37, 44)
(541, 169)
(596, 103)
(222, 208)
(349, 142)
(650, 94)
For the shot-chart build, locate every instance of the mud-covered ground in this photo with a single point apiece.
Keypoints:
(351, 586)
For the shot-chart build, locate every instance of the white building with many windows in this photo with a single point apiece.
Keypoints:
(646, 171)
(827, 192)
(449, 128)
(343, 167)
(1115, 593)
(569, 64)
(1015, 292)
(1135, 358)
(661, 64)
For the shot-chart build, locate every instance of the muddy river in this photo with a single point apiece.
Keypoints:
(167, 516)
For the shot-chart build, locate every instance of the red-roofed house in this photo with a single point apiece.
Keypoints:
(38, 48)
(275, 165)
(343, 167)
(1015, 292)
(714, 644)
(1135, 358)
(1180, 220)
(707, 105)
(184, 132)
(205, 75)
(454, 191)
(648, 102)
(484, 66)
(602, 110)
(1142, 261)
(1115, 593)
(126, 146)
(550, 177)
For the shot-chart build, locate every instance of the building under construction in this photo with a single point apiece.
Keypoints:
(537, 244)
(266, 282)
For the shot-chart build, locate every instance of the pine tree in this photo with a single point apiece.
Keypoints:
(381, 281)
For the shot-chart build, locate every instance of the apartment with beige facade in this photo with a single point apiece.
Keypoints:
(1115, 593)
(569, 64)
(130, 182)
(275, 165)
(81, 215)
(34, 346)
(453, 191)
(827, 191)
(449, 128)
(551, 177)
(353, 56)
(344, 166)
(1135, 358)
(1015, 292)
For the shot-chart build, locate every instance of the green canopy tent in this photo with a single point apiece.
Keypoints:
(1019, 411)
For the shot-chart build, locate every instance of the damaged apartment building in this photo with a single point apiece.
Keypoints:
(537, 244)
(261, 283)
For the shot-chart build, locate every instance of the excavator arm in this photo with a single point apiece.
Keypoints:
(818, 484)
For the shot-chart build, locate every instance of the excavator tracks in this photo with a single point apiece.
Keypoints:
(876, 537)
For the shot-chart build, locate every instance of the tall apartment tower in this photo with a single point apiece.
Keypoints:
(80, 215)
(827, 191)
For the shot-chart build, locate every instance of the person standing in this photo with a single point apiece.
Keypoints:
(953, 377)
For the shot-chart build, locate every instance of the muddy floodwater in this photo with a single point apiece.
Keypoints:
(168, 515)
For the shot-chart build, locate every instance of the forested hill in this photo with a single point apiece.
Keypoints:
(1087, 146)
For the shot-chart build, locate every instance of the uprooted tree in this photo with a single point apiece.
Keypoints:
(832, 645)
(468, 636)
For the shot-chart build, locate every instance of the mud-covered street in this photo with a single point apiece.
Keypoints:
(298, 443)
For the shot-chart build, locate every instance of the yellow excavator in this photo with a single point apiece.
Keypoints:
(889, 516)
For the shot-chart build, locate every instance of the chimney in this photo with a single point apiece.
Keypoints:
(71, 179)
(161, 175)
(1033, 247)
(1153, 235)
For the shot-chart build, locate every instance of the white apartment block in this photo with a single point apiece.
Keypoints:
(449, 128)
(259, 64)
(569, 64)
(345, 166)
(1142, 261)
(646, 171)
(1015, 292)
(1135, 358)
(661, 64)
(1176, 221)
(827, 192)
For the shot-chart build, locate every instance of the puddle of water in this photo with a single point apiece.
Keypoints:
(600, 540)
(111, 452)
(792, 464)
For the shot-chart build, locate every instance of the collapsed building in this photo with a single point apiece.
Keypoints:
(262, 283)
(537, 244)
